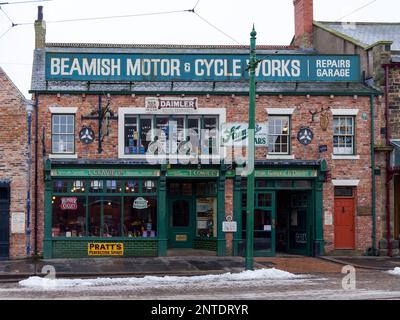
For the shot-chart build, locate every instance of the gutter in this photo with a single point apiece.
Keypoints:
(36, 174)
(373, 187)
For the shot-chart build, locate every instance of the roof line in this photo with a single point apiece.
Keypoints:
(361, 23)
(21, 95)
(166, 46)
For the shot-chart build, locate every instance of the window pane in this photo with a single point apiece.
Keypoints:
(174, 189)
(343, 191)
(94, 216)
(131, 135)
(68, 216)
(149, 186)
(145, 135)
(187, 189)
(113, 186)
(180, 213)
(132, 186)
(96, 186)
(60, 186)
(112, 217)
(140, 217)
(78, 186)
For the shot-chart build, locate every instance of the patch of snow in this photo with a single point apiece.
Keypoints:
(261, 274)
(395, 272)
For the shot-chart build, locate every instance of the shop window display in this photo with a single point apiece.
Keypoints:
(112, 217)
(68, 216)
(140, 217)
(206, 209)
(94, 209)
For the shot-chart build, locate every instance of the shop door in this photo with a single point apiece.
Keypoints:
(4, 221)
(181, 225)
(264, 224)
(344, 223)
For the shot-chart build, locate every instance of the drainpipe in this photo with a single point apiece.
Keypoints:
(387, 156)
(372, 99)
(29, 109)
(36, 174)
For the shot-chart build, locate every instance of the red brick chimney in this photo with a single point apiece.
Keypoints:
(303, 20)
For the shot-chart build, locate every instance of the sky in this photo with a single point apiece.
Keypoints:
(273, 19)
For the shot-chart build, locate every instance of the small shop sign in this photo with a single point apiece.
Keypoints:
(140, 203)
(286, 173)
(236, 133)
(171, 105)
(115, 173)
(229, 225)
(69, 203)
(105, 249)
(193, 173)
(181, 237)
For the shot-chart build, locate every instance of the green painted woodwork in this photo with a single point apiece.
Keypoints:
(162, 219)
(78, 248)
(221, 244)
(182, 236)
(205, 244)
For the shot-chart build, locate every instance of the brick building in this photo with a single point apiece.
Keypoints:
(144, 149)
(14, 184)
(378, 45)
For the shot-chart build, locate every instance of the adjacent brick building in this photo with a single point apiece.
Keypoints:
(14, 183)
(378, 45)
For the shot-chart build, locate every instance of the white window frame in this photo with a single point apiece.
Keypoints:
(63, 111)
(281, 155)
(348, 113)
(122, 111)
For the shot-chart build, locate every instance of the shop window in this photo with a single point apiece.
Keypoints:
(132, 186)
(94, 218)
(278, 134)
(96, 186)
(113, 186)
(63, 134)
(343, 135)
(178, 134)
(209, 136)
(149, 186)
(206, 209)
(78, 186)
(111, 217)
(201, 189)
(344, 191)
(264, 183)
(60, 186)
(68, 216)
(140, 217)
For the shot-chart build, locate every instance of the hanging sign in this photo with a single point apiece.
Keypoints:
(69, 203)
(140, 203)
(199, 67)
(305, 136)
(235, 134)
(86, 135)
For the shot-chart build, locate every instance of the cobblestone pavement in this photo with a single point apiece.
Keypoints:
(370, 284)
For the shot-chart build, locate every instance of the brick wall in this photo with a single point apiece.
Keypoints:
(13, 153)
(236, 110)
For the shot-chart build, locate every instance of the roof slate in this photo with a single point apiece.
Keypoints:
(367, 33)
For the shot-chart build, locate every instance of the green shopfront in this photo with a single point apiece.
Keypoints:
(150, 211)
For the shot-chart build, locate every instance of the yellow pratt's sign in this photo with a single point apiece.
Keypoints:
(105, 249)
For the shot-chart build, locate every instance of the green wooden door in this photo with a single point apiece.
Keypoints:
(181, 222)
(264, 224)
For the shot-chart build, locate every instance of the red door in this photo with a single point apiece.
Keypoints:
(344, 223)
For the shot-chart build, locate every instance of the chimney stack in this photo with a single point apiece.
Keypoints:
(303, 19)
(40, 30)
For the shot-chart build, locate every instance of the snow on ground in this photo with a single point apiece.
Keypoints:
(261, 274)
(395, 272)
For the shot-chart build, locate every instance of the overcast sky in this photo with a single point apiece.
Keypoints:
(273, 20)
